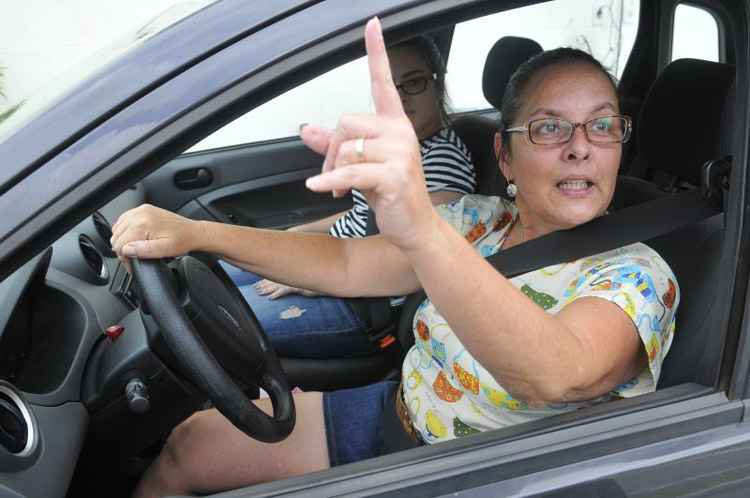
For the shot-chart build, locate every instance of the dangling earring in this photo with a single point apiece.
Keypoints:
(512, 189)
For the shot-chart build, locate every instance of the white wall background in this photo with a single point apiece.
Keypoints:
(40, 39)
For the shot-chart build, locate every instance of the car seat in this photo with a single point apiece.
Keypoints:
(478, 131)
(678, 130)
(697, 254)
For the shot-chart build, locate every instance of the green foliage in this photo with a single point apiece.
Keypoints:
(7, 113)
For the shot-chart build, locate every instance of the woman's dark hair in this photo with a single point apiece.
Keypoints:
(428, 50)
(514, 92)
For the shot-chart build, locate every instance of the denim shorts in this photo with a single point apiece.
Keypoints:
(354, 421)
(320, 327)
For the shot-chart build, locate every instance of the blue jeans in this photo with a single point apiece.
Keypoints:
(354, 421)
(305, 327)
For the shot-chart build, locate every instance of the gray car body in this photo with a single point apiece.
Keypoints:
(116, 127)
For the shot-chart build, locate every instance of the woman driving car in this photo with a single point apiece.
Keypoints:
(490, 352)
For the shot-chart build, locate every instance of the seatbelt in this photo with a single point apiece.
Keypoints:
(624, 227)
(627, 226)
(381, 316)
(633, 224)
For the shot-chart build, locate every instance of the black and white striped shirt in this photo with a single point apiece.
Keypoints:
(447, 166)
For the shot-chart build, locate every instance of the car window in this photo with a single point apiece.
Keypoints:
(322, 100)
(38, 66)
(696, 34)
(604, 29)
(607, 31)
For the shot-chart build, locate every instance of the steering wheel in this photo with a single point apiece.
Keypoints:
(202, 316)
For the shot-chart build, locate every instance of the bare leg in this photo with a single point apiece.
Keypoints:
(206, 453)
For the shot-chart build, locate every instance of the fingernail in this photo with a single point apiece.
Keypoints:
(128, 250)
(380, 28)
(313, 181)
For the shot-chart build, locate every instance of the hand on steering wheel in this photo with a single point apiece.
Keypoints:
(211, 320)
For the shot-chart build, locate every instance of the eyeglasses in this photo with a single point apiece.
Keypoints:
(415, 86)
(601, 130)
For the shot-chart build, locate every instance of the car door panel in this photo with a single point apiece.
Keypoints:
(260, 185)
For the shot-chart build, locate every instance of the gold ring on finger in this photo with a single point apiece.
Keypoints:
(359, 149)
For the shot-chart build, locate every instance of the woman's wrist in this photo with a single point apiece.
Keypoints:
(202, 236)
(429, 240)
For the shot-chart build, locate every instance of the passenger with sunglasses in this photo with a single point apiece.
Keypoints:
(303, 324)
(490, 352)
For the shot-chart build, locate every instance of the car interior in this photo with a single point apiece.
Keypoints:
(133, 388)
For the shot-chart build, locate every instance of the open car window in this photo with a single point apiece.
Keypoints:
(345, 89)
(696, 34)
(606, 30)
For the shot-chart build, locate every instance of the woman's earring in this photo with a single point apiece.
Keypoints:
(512, 190)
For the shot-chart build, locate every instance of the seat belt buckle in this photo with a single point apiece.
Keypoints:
(715, 178)
(383, 338)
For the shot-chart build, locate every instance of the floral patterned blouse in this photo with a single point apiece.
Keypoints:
(449, 394)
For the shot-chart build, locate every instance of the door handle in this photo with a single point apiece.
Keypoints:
(190, 179)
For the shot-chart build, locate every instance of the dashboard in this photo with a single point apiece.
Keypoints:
(64, 399)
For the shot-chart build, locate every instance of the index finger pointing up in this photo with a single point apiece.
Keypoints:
(384, 93)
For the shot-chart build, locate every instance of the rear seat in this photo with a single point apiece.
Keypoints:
(678, 131)
(478, 132)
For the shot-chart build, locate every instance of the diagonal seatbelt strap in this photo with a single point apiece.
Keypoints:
(621, 228)
(626, 226)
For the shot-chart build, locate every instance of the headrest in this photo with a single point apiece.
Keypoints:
(681, 120)
(503, 59)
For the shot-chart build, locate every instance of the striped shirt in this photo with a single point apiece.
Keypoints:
(447, 166)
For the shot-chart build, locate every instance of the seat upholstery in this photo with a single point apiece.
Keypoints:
(678, 130)
(478, 131)
(697, 255)
(684, 122)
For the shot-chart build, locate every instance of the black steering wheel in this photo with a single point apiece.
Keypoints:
(203, 318)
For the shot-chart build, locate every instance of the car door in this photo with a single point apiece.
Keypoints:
(540, 457)
(251, 171)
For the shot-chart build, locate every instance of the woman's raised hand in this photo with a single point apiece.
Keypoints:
(151, 232)
(378, 155)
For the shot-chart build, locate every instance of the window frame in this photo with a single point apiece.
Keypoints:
(717, 12)
(516, 451)
(720, 28)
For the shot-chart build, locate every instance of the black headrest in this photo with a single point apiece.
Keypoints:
(680, 124)
(726, 141)
(503, 59)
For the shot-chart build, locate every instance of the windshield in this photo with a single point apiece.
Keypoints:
(68, 43)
